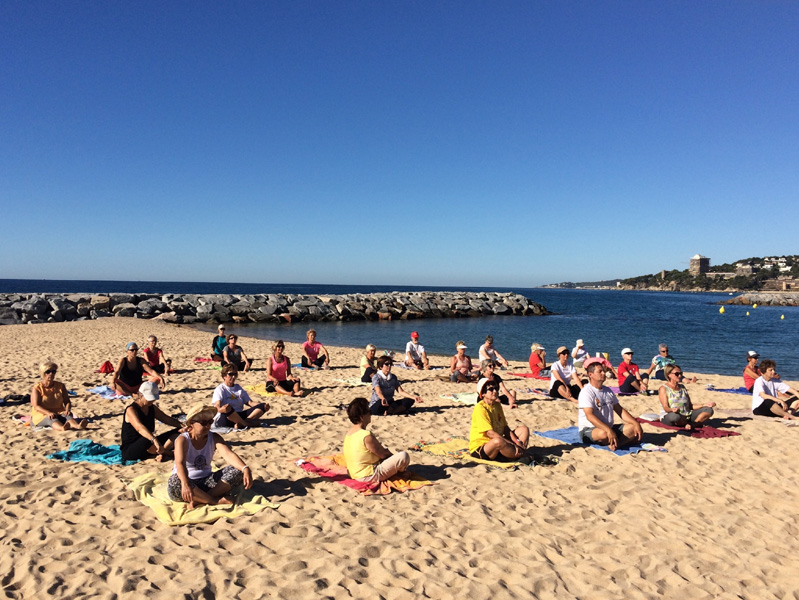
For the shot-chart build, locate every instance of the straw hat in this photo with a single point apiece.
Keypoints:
(198, 411)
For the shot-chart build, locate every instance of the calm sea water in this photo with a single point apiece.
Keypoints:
(701, 339)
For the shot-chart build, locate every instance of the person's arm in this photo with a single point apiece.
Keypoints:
(500, 358)
(628, 418)
(166, 419)
(182, 472)
(375, 447)
(148, 369)
(289, 376)
(132, 418)
(405, 394)
(452, 362)
(482, 354)
(120, 364)
(507, 392)
(576, 379)
(246, 361)
(425, 362)
(509, 435)
(379, 392)
(323, 350)
(750, 372)
(269, 376)
(233, 459)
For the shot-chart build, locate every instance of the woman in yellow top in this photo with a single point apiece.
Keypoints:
(50, 405)
(367, 460)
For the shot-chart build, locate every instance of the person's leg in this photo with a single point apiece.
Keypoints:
(377, 409)
(555, 391)
(625, 434)
(396, 463)
(368, 374)
(141, 449)
(304, 362)
(673, 419)
(575, 390)
(279, 388)
(700, 415)
(160, 368)
(296, 389)
(230, 419)
(523, 433)
(630, 386)
(255, 412)
(320, 361)
(124, 389)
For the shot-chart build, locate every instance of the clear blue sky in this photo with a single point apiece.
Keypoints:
(418, 143)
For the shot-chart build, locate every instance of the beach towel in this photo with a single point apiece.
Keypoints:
(459, 448)
(108, 393)
(84, 450)
(333, 467)
(25, 421)
(469, 398)
(203, 359)
(702, 433)
(615, 389)
(355, 381)
(530, 376)
(571, 436)
(529, 390)
(215, 367)
(739, 390)
(150, 490)
(259, 389)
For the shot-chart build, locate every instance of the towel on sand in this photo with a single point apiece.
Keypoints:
(530, 376)
(356, 381)
(570, 435)
(333, 467)
(25, 420)
(702, 433)
(108, 393)
(150, 490)
(469, 398)
(202, 359)
(459, 448)
(259, 389)
(84, 450)
(615, 389)
(739, 390)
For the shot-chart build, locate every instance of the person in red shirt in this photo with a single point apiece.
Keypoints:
(631, 380)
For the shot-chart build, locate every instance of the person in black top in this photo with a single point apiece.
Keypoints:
(139, 441)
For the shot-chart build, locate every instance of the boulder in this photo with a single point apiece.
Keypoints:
(100, 302)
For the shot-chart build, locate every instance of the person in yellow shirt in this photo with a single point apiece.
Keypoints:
(367, 460)
(490, 438)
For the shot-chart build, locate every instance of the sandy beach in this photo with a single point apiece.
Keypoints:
(709, 518)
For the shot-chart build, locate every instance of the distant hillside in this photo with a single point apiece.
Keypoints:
(610, 283)
(749, 274)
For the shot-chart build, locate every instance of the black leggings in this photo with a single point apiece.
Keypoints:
(556, 392)
(138, 450)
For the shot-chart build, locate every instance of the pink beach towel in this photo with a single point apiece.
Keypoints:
(529, 376)
(704, 432)
(333, 467)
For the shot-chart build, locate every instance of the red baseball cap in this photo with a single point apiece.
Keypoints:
(415, 334)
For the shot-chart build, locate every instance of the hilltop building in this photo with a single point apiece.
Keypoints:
(699, 264)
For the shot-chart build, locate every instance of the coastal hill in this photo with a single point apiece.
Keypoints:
(777, 273)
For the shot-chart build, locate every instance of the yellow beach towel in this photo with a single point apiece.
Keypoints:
(459, 448)
(259, 389)
(150, 490)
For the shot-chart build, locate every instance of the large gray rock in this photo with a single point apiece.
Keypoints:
(100, 314)
(152, 306)
(64, 307)
(101, 302)
(126, 306)
(123, 299)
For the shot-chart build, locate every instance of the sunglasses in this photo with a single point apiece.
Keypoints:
(564, 352)
(50, 371)
(206, 422)
(677, 373)
(133, 349)
(491, 388)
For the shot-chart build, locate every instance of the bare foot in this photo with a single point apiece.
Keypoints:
(83, 424)
(67, 426)
(225, 500)
(159, 458)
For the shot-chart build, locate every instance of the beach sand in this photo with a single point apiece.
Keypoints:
(710, 518)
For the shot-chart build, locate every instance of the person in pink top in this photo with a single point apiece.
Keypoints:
(278, 373)
(314, 354)
(751, 370)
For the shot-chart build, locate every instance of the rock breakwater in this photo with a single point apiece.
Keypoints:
(765, 299)
(255, 308)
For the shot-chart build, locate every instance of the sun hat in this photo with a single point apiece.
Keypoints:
(150, 391)
(481, 384)
(580, 343)
(561, 349)
(626, 351)
(414, 334)
(199, 409)
(752, 354)
(461, 347)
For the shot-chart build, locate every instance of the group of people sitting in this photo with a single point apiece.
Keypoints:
(192, 444)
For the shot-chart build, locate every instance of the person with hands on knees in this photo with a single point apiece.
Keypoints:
(563, 380)
(415, 355)
(367, 460)
(193, 480)
(677, 407)
(138, 440)
(489, 352)
(314, 354)
(771, 397)
(50, 403)
(597, 406)
(490, 438)
(233, 404)
(384, 386)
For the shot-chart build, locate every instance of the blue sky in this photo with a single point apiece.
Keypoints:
(416, 143)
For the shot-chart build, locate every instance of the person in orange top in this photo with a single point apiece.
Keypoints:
(50, 405)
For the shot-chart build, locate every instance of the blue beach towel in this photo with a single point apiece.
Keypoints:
(740, 390)
(571, 436)
(84, 450)
(106, 392)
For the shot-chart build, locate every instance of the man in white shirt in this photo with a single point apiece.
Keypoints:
(415, 356)
(596, 406)
(771, 397)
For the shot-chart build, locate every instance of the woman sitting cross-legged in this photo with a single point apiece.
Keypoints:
(367, 460)
(677, 407)
(50, 405)
(384, 386)
(278, 373)
(193, 480)
(138, 439)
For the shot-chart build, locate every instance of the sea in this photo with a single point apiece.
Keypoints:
(702, 339)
